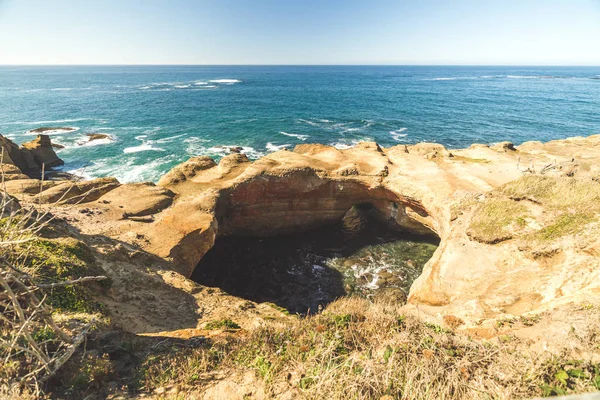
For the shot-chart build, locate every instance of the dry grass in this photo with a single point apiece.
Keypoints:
(568, 206)
(37, 279)
(496, 220)
(360, 350)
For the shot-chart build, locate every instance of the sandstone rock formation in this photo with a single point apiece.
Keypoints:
(97, 136)
(29, 158)
(42, 151)
(423, 189)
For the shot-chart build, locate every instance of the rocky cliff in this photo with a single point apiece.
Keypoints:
(518, 225)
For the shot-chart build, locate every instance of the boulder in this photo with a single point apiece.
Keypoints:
(504, 147)
(11, 172)
(187, 170)
(78, 192)
(429, 150)
(97, 136)
(139, 199)
(19, 187)
(42, 151)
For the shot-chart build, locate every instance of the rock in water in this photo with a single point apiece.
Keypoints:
(98, 136)
(42, 151)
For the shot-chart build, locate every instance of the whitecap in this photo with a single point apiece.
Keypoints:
(85, 141)
(57, 131)
(275, 147)
(169, 139)
(225, 81)
(343, 145)
(200, 83)
(397, 134)
(142, 147)
(222, 151)
(60, 89)
(182, 86)
(296, 135)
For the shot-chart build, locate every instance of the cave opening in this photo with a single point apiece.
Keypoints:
(362, 254)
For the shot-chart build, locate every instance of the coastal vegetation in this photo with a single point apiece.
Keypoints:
(96, 303)
(538, 210)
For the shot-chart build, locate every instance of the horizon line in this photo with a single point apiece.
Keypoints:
(296, 65)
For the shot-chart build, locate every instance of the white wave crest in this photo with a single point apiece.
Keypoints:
(397, 134)
(57, 131)
(295, 135)
(274, 147)
(225, 81)
(142, 147)
(346, 144)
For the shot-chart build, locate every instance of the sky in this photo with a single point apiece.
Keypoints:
(401, 32)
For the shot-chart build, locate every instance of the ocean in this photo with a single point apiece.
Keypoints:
(159, 116)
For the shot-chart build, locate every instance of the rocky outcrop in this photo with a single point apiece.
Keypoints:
(22, 159)
(422, 189)
(52, 128)
(42, 151)
(30, 157)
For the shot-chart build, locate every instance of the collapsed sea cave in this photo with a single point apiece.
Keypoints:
(365, 253)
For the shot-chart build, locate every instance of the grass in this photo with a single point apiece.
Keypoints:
(359, 350)
(54, 260)
(496, 220)
(221, 324)
(568, 206)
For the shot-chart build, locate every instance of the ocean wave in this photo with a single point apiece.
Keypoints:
(142, 147)
(347, 144)
(311, 123)
(295, 135)
(169, 139)
(275, 147)
(97, 142)
(54, 121)
(397, 134)
(199, 83)
(531, 77)
(151, 131)
(125, 170)
(225, 81)
(57, 131)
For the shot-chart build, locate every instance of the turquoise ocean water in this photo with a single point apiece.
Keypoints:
(159, 116)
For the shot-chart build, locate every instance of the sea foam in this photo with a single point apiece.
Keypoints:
(142, 147)
(225, 81)
(276, 147)
(295, 135)
(397, 134)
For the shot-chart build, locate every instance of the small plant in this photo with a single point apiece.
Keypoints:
(221, 324)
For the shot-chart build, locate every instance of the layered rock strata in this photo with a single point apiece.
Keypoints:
(424, 189)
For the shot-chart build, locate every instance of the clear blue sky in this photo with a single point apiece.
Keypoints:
(525, 32)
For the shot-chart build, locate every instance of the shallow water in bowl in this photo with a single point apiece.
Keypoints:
(304, 272)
